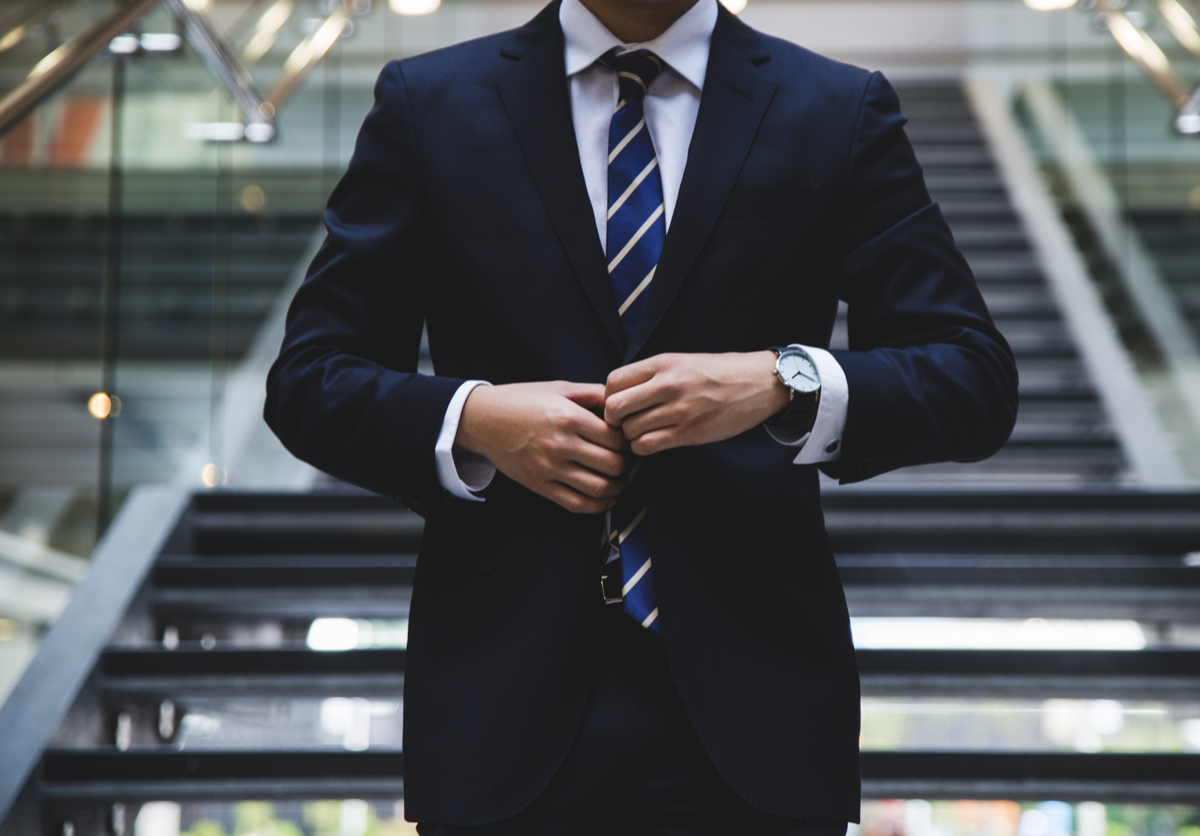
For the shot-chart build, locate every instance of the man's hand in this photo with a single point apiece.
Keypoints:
(680, 400)
(544, 436)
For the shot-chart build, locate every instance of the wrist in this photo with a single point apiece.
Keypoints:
(475, 418)
(775, 396)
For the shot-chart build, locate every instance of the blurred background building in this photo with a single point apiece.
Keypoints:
(200, 635)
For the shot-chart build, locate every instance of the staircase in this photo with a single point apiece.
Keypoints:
(172, 351)
(1062, 436)
(1173, 239)
(232, 647)
(177, 272)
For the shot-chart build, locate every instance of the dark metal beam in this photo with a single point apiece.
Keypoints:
(42, 697)
(199, 662)
(1024, 776)
(1178, 664)
(1009, 674)
(322, 570)
(284, 603)
(131, 776)
(1147, 674)
(1043, 570)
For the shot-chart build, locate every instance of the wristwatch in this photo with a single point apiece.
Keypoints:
(797, 371)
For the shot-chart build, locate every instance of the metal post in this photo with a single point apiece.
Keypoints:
(111, 298)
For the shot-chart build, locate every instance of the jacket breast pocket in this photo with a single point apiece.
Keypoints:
(775, 204)
(468, 544)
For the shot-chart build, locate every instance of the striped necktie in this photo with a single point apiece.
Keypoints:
(636, 229)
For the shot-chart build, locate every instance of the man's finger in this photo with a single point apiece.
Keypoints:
(656, 418)
(657, 441)
(645, 395)
(635, 373)
(589, 483)
(600, 459)
(598, 431)
(588, 395)
(574, 501)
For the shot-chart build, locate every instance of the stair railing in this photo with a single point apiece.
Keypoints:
(1137, 43)
(17, 33)
(57, 68)
(226, 68)
(308, 54)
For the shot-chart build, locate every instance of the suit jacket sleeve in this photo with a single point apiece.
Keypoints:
(930, 377)
(344, 394)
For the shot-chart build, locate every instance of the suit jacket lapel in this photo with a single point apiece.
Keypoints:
(736, 96)
(537, 99)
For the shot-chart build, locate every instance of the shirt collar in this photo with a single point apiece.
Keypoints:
(684, 46)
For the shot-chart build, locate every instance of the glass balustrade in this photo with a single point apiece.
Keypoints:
(157, 209)
(1106, 95)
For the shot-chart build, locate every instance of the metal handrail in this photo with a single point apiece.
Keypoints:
(1182, 24)
(1145, 52)
(19, 32)
(307, 55)
(60, 65)
(1138, 45)
(227, 69)
(266, 30)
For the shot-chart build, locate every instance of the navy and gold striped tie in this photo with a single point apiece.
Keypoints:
(636, 229)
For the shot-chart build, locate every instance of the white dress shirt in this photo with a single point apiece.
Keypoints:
(671, 106)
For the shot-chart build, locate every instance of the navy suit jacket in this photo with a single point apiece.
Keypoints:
(464, 209)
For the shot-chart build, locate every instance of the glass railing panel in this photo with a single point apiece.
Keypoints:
(1143, 241)
(263, 205)
(195, 238)
(170, 243)
(147, 248)
(1104, 90)
(54, 180)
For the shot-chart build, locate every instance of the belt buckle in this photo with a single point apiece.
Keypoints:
(611, 583)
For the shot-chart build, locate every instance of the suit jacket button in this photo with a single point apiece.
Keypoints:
(418, 507)
(868, 468)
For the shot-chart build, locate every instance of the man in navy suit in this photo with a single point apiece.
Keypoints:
(626, 227)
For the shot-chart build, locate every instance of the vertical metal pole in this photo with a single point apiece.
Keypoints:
(332, 134)
(111, 297)
(1061, 55)
(1119, 148)
(219, 349)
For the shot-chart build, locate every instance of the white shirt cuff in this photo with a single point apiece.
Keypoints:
(824, 442)
(462, 472)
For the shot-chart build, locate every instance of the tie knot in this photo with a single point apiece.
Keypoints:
(635, 71)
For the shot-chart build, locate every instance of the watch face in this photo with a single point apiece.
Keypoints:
(799, 372)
